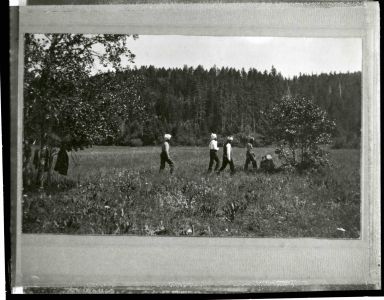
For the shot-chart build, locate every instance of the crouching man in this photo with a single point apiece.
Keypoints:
(267, 165)
(227, 156)
(164, 156)
(213, 153)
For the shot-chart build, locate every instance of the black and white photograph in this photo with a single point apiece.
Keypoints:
(174, 148)
(192, 135)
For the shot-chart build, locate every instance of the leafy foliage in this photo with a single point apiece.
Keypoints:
(298, 125)
(61, 102)
(193, 102)
(64, 105)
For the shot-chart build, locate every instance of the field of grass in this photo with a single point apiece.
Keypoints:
(118, 190)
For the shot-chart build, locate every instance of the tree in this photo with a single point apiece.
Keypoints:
(300, 128)
(61, 102)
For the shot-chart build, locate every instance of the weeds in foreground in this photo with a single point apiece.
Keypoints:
(121, 200)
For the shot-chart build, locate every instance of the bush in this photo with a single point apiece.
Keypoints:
(339, 142)
(350, 141)
(123, 141)
(201, 142)
(186, 140)
(136, 142)
(242, 138)
(300, 127)
(314, 158)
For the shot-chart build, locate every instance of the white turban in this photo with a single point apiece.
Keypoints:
(167, 136)
(269, 157)
(230, 138)
(213, 136)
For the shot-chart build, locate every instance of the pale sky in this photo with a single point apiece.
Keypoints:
(290, 56)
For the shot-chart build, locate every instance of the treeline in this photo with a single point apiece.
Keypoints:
(190, 103)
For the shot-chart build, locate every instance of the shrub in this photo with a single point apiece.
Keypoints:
(349, 141)
(242, 138)
(184, 140)
(300, 127)
(136, 142)
(339, 143)
(123, 141)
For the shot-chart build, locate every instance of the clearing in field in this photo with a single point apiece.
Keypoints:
(118, 190)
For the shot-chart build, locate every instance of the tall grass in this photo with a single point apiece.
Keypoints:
(118, 190)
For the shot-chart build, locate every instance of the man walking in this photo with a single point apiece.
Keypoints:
(164, 156)
(250, 156)
(227, 156)
(213, 153)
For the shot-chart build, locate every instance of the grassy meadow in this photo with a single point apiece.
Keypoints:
(118, 190)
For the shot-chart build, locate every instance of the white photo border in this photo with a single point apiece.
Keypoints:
(168, 262)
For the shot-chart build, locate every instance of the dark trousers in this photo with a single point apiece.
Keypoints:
(164, 158)
(250, 157)
(213, 158)
(225, 163)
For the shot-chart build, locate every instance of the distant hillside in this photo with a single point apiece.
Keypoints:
(192, 102)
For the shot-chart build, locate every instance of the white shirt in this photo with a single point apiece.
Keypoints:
(213, 145)
(165, 147)
(229, 151)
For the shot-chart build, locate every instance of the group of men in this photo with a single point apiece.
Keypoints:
(266, 163)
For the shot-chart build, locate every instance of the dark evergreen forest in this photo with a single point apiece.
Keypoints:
(190, 103)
